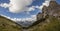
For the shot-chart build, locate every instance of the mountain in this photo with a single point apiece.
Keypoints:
(48, 20)
(8, 25)
(52, 10)
(51, 14)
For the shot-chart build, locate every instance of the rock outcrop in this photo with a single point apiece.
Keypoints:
(52, 10)
(39, 16)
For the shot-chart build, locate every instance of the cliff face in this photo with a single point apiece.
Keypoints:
(49, 16)
(51, 23)
(39, 16)
(52, 10)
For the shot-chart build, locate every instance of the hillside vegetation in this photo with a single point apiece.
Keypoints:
(8, 25)
(49, 20)
(52, 25)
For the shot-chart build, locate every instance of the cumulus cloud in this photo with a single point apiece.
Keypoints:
(5, 5)
(16, 6)
(31, 8)
(46, 3)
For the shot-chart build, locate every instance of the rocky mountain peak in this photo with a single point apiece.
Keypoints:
(52, 10)
(53, 3)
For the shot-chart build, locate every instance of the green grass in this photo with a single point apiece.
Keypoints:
(53, 25)
(8, 25)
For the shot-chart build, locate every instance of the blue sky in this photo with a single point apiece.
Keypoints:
(5, 11)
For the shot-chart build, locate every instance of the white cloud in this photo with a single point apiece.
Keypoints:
(46, 3)
(32, 8)
(32, 18)
(16, 6)
(23, 21)
(5, 5)
(5, 16)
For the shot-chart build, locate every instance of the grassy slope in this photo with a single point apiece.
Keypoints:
(8, 25)
(53, 25)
